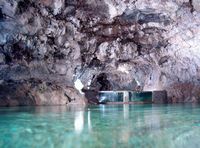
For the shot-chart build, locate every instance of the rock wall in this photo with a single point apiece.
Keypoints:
(104, 44)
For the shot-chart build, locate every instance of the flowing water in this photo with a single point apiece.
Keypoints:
(156, 126)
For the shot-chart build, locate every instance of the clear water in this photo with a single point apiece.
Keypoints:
(121, 126)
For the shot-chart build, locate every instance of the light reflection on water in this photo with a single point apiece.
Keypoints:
(100, 126)
(79, 121)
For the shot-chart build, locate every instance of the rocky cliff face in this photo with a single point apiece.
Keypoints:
(50, 49)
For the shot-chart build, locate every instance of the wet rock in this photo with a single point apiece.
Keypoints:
(91, 96)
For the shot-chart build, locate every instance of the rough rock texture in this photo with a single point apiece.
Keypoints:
(104, 44)
(159, 97)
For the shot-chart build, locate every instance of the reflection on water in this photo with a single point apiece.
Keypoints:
(79, 121)
(100, 126)
(126, 111)
(89, 122)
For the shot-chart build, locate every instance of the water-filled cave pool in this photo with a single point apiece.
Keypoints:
(156, 126)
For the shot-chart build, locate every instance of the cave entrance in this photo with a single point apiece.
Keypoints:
(101, 83)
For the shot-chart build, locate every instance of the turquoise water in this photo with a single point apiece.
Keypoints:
(156, 126)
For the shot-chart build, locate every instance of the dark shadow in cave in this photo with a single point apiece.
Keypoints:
(1, 14)
(103, 83)
(23, 6)
(100, 83)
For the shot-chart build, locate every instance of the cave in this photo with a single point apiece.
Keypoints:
(99, 73)
(102, 83)
(99, 36)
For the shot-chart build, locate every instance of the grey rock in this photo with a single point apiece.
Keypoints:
(61, 69)
(196, 5)
(2, 58)
(105, 44)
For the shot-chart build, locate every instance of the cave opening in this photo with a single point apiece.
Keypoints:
(103, 82)
(99, 83)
